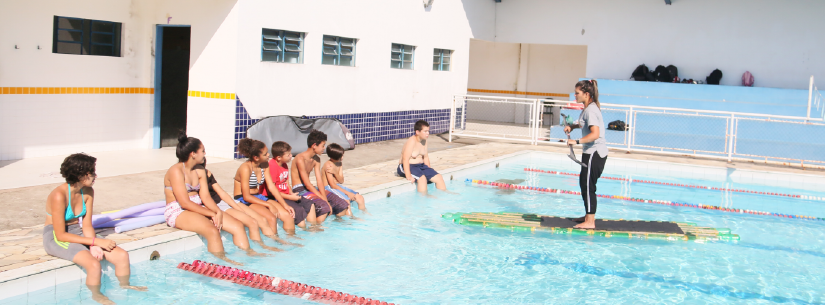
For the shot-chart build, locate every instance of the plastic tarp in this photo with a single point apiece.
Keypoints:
(295, 130)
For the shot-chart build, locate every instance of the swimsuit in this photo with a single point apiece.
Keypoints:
(321, 208)
(340, 193)
(173, 209)
(61, 249)
(418, 170)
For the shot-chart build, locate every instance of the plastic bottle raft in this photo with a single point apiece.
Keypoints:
(276, 285)
(610, 227)
(662, 202)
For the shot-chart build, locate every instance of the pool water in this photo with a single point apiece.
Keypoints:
(406, 253)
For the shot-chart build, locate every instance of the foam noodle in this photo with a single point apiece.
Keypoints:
(140, 223)
(104, 218)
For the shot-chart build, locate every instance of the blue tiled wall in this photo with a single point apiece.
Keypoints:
(242, 122)
(365, 127)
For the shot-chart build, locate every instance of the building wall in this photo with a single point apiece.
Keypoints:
(229, 86)
(778, 41)
(70, 117)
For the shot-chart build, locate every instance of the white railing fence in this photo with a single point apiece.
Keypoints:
(713, 134)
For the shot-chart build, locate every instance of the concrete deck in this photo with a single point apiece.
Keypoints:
(127, 185)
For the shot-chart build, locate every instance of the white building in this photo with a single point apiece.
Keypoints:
(52, 103)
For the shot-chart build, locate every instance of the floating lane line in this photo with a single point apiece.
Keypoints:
(662, 202)
(535, 170)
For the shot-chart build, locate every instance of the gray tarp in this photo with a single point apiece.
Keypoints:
(294, 130)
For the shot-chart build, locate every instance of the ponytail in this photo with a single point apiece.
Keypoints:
(186, 146)
(590, 87)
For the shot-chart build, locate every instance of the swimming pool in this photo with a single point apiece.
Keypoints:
(406, 253)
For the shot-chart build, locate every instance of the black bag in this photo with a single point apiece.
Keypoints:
(662, 74)
(674, 73)
(640, 74)
(714, 77)
(617, 125)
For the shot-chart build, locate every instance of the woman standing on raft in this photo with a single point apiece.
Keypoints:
(184, 186)
(67, 206)
(594, 150)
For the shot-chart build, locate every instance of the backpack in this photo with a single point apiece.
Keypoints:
(662, 74)
(747, 79)
(617, 125)
(674, 73)
(640, 74)
(714, 77)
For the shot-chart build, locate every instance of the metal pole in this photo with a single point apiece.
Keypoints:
(810, 94)
(463, 113)
(630, 125)
(731, 136)
(452, 121)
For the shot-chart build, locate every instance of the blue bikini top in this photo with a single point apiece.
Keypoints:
(69, 213)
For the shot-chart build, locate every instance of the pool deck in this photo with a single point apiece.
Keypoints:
(367, 166)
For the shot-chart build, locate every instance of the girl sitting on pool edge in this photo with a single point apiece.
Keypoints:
(63, 236)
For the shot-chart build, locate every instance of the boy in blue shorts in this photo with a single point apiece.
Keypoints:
(415, 162)
(334, 174)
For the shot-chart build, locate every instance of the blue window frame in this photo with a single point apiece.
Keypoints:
(402, 56)
(86, 37)
(282, 46)
(441, 59)
(339, 51)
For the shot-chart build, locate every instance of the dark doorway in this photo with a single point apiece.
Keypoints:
(174, 83)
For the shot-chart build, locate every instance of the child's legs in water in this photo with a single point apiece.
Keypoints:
(264, 211)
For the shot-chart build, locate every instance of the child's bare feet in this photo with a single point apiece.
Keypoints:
(136, 288)
(222, 256)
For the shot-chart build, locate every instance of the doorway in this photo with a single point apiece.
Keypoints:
(171, 83)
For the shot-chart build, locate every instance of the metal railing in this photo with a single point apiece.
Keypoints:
(706, 133)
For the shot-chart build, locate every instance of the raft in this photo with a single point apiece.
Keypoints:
(664, 230)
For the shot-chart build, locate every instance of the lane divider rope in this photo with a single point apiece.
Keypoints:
(663, 202)
(682, 185)
(276, 284)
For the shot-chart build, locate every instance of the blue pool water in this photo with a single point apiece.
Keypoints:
(406, 253)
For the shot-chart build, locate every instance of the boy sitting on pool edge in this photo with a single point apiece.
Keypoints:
(305, 163)
(334, 172)
(415, 162)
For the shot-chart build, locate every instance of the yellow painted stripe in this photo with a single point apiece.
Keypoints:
(76, 90)
(215, 95)
(518, 92)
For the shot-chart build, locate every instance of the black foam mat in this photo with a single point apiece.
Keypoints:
(617, 225)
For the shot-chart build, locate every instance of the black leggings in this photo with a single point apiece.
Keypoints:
(588, 178)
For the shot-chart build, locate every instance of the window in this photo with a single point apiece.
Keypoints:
(86, 37)
(441, 59)
(282, 46)
(338, 51)
(402, 56)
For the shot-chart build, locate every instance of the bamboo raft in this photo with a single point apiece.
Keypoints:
(663, 230)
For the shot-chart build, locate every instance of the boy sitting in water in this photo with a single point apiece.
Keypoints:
(334, 174)
(305, 163)
(415, 162)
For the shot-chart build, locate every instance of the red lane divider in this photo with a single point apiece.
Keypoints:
(276, 285)
(664, 202)
(673, 184)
